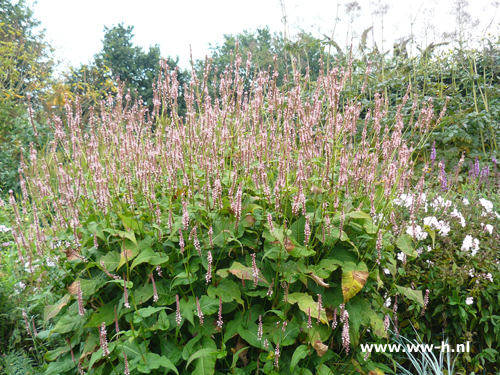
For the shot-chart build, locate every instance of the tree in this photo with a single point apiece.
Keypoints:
(25, 69)
(304, 51)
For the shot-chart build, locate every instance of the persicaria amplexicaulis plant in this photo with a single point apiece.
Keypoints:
(286, 188)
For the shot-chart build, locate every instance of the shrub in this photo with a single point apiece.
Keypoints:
(457, 265)
(240, 237)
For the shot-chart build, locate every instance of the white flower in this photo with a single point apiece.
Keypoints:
(387, 302)
(439, 202)
(430, 263)
(402, 257)
(50, 263)
(469, 300)
(405, 200)
(467, 244)
(475, 246)
(444, 228)
(488, 206)
(386, 271)
(489, 228)
(431, 222)
(459, 216)
(489, 277)
(420, 250)
(471, 272)
(3, 228)
(465, 201)
(416, 232)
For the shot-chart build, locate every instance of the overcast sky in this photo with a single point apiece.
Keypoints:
(75, 28)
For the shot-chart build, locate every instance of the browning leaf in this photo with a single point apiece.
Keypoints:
(320, 348)
(243, 354)
(319, 280)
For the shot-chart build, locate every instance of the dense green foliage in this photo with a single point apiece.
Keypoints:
(289, 167)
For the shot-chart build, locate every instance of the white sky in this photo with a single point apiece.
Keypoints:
(75, 28)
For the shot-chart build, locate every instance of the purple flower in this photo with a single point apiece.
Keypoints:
(433, 151)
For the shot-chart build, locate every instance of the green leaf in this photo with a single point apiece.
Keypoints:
(69, 323)
(110, 260)
(52, 310)
(358, 215)
(306, 302)
(201, 353)
(143, 294)
(148, 311)
(104, 314)
(242, 272)
(153, 362)
(90, 286)
(170, 350)
(132, 223)
(209, 306)
(300, 353)
(354, 277)
(414, 295)
(227, 289)
(56, 368)
(144, 257)
(301, 252)
(405, 244)
(130, 251)
(205, 365)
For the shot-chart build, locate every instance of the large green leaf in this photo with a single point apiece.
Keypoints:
(227, 289)
(405, 244)
(143, 257)
(56, 368)
(69, 323)
(111, 260)
(306, 302)
(240, 271)
(154, 361)
(104, 313)
(414, 295)
(90, 286)
(52, 310)
(354, 277)
(205, 364)
(129, 251)
(300, 353)
(150, 310)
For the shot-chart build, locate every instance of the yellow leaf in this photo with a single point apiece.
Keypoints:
(354, 277)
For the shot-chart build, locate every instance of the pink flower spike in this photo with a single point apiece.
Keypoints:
(255, 272)
(220, 322)
(178, 317)
(200, 314)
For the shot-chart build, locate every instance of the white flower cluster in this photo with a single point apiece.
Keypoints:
(441, 225)
(3, 228)
(470, 244)
(416, 232)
